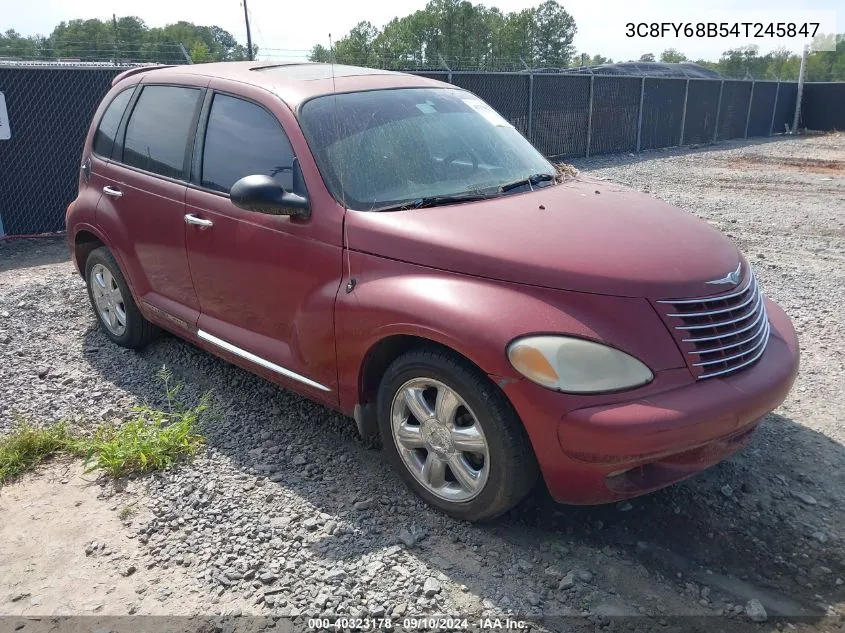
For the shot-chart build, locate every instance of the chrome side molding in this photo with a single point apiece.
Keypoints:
(237, 351)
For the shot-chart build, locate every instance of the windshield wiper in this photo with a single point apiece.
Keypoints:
(435, 201)
(532, 180)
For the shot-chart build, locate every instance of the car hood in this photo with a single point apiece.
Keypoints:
(582, 235)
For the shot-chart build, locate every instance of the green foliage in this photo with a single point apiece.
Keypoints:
(13, 44)
(746, 63)
(671, 56)
(151, 440)
(27, 446)
(127, 512)
(584, 59)
(457, 33)
(199, 53)
(126, 39)
(461, 35)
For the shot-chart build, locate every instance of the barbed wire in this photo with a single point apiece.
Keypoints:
(175, 53)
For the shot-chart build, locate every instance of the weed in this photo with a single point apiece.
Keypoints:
(27, 446)
(151, 440)
(127, 512)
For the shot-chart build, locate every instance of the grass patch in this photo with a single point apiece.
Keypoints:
(27, 446)
(151, 439)
(127, 512)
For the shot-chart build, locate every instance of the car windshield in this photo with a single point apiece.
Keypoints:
(387, 149)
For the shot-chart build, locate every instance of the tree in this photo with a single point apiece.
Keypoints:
(319, 53)
(357, 48)
(13, 44)
(554, 31)
(516, 36)
(129, 38)
(462, 34)
(827, 65)
(401, 44)
(648, 57)
(92, 40)
(599, 60)
(671, 56)
(199, 53)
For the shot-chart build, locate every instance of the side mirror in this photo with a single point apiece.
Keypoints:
(265, 195)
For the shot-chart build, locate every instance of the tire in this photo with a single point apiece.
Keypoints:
(113, 304)
(480, 409)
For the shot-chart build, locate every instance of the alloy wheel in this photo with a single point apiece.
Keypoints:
(440, 440)
(108, 299)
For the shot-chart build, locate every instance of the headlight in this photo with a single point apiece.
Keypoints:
(576, 365)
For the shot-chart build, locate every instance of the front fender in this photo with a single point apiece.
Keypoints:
(478, 317)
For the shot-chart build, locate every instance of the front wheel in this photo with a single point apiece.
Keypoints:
(453, 436)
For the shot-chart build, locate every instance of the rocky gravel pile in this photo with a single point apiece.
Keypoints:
(287, 513)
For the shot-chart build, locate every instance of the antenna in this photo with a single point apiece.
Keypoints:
(350, 285)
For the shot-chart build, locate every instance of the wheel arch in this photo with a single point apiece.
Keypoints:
(375, 362)
(84, 242)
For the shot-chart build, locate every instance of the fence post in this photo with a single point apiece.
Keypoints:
(640, 121)
(750, 103)
(530, 100)
(718, 112)
(446, 66)
(774, 109)
(185, 54)
(684, 114)
(590, 116)
(530, 105)
(798, 97)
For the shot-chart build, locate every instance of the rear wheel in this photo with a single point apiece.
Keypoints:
(453, 436)
(113, 304)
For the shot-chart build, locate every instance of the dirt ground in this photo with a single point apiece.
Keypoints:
(288, 514)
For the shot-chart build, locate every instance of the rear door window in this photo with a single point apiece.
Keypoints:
(159, 128)
(106, 131)
(244, 139)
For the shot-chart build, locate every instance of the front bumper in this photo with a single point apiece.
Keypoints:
(604, 448)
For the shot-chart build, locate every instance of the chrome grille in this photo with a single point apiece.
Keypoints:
(720, 334)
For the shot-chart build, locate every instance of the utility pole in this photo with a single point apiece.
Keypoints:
(248, 34)
(114, 25)
(801, 73)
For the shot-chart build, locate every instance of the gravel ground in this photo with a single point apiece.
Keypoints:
(288, 513)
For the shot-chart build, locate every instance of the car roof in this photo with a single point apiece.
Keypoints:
(293, 82)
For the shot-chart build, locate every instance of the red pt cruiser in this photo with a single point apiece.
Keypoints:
(391, 247)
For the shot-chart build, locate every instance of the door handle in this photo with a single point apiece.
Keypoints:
(200, 222)
(112, 191)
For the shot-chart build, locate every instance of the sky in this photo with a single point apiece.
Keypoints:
(287, 29)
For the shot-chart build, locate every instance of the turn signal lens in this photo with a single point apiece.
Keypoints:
(531, 363)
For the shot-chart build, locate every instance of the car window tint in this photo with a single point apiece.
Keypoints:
(106, 131)
(158, 129)
(243, 139)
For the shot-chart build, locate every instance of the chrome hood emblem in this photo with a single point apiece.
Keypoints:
(731, 278)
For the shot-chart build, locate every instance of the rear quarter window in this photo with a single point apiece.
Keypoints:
(107, 129)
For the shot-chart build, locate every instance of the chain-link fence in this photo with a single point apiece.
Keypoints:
(823, 105)
(663, 112)
(560, 114)
(49, 111)
(564, 116)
